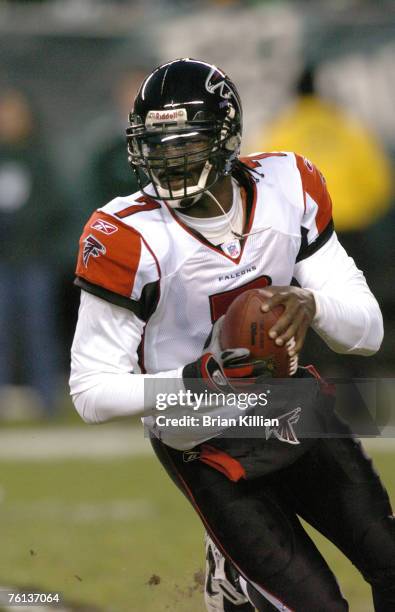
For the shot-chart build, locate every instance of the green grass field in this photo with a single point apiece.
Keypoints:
(117, 536)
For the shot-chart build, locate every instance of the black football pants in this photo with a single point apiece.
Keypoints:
(255, 524)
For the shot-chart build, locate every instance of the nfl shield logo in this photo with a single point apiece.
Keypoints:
(232, 249)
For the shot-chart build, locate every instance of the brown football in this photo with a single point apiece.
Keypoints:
(246, 326)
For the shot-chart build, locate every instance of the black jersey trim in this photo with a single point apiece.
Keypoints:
(245, 178)
(306, 250)
(142, 308)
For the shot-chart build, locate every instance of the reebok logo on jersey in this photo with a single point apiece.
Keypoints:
(104, 226)
(284, 430)
(92, 246)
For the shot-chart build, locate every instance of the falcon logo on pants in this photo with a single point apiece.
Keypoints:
(284, 430)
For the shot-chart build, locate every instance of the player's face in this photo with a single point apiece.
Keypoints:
(177, 161)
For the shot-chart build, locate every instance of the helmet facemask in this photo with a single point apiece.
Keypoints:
(182, 159)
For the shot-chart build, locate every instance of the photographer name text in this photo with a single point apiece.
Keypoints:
(207, 420)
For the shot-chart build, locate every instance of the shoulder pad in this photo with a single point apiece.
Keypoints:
(115, 256)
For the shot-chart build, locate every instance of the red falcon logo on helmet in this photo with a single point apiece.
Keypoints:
(284, 430)
(92, 246)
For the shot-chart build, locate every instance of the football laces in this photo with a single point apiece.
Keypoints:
(293, 360)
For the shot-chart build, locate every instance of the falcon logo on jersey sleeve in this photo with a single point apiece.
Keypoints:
(111, 261)
(92, 247)
(284, 430)
(104, 227)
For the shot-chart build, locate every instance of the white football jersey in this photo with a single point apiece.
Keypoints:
(135, 252)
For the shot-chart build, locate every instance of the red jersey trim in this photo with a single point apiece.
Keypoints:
(115, 262)
(115, 265)
(314, 184)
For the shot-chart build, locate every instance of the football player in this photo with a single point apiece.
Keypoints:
(159, 268)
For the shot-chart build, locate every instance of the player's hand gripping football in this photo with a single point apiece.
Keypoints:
(299, 310)
(223, 370)
(237, 364)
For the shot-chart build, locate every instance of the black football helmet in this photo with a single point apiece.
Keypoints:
(184, 130)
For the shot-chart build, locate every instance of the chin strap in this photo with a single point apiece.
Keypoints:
(227, 217)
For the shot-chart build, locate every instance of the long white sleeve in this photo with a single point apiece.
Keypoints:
(105, 381)
(348, 317)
